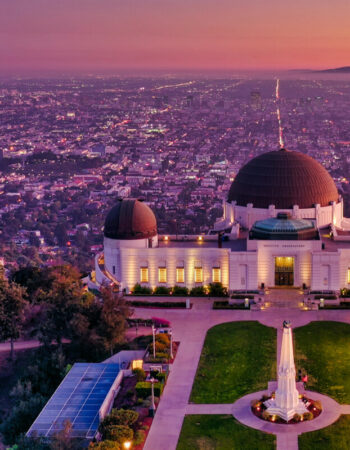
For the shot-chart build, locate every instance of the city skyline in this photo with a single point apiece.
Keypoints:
(115, 36)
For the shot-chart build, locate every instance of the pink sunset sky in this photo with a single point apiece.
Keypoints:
(98, 35)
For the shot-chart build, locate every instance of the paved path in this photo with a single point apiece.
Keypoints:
(23, 345)
(190, 328)
(287, 441)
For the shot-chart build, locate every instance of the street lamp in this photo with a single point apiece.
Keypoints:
(154, 340)
(153, 406)
(171, 344)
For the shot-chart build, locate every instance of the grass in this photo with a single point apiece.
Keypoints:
(322, 349)
(334, 437)
(237, 358)
(221, 432)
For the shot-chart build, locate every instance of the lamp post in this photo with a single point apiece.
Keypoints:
(246, 302)
(153, 406)
(322, 302)
(171, 344)
(154, 340)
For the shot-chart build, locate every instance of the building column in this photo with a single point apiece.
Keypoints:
(296, 212)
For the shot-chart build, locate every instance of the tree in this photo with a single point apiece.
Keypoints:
(114, 313)
(12, 304)
(62, 302)
(32, 278)
(21, 417)
(63, 440)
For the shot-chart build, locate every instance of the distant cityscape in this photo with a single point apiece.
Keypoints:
(69, 148)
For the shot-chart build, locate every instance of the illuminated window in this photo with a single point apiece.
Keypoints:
(144, 274)
(162, 274)
(349, 276)
(216, 275)
(198, 275)
(180, 275)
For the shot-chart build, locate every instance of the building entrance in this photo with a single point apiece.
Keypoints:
(284, 271)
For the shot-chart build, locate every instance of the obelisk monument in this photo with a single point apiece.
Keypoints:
(286, 402)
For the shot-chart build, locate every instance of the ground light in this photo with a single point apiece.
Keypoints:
(127, 445)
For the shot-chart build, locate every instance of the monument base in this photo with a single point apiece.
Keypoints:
(283, 413)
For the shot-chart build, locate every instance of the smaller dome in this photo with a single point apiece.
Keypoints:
(283, 227)
(130, 219)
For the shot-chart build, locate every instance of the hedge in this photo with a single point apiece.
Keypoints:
(226, 305)
(146, 304)
(144, 389)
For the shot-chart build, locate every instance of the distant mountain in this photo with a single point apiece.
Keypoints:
(345, 69)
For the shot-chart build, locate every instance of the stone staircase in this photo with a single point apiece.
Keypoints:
(276, 298)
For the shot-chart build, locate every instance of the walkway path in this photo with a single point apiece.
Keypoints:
(190, 328)
(23, 345)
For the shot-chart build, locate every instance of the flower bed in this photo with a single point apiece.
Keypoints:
(314, 409)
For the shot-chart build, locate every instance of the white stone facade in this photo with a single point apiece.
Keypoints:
(250, 269)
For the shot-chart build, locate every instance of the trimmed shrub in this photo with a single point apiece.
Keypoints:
(297, 417)
(161, 376)
(139, 438)
(161, 290)
(180, 291)
(345, 293)
(105, 445)
(225, 305)
(140, 374)
(162, 355)
(163, 338)
(255, 403)
(147, 304)
(318, 405)
(242, 296)
(265, 415)
(217, 290)
(144, 290)
(326, 297)
(198, 291)
(118, 433)
(308, 416)
(124, 417)
(144, 389)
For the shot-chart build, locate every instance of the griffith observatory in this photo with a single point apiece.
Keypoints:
(282, 225)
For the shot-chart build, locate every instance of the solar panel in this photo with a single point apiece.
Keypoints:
(78, 399)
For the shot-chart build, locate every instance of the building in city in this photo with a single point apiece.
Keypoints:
(282, 225)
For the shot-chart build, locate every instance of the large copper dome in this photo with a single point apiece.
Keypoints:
(283, 178)
(130, 219)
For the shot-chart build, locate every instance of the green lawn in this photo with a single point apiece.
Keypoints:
(334, 437)
(237, 358)
(221, 432)
(322, 349)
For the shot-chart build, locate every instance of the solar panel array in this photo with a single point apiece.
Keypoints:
(77, 399)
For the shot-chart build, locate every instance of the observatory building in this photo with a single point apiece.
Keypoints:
(282, 225)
